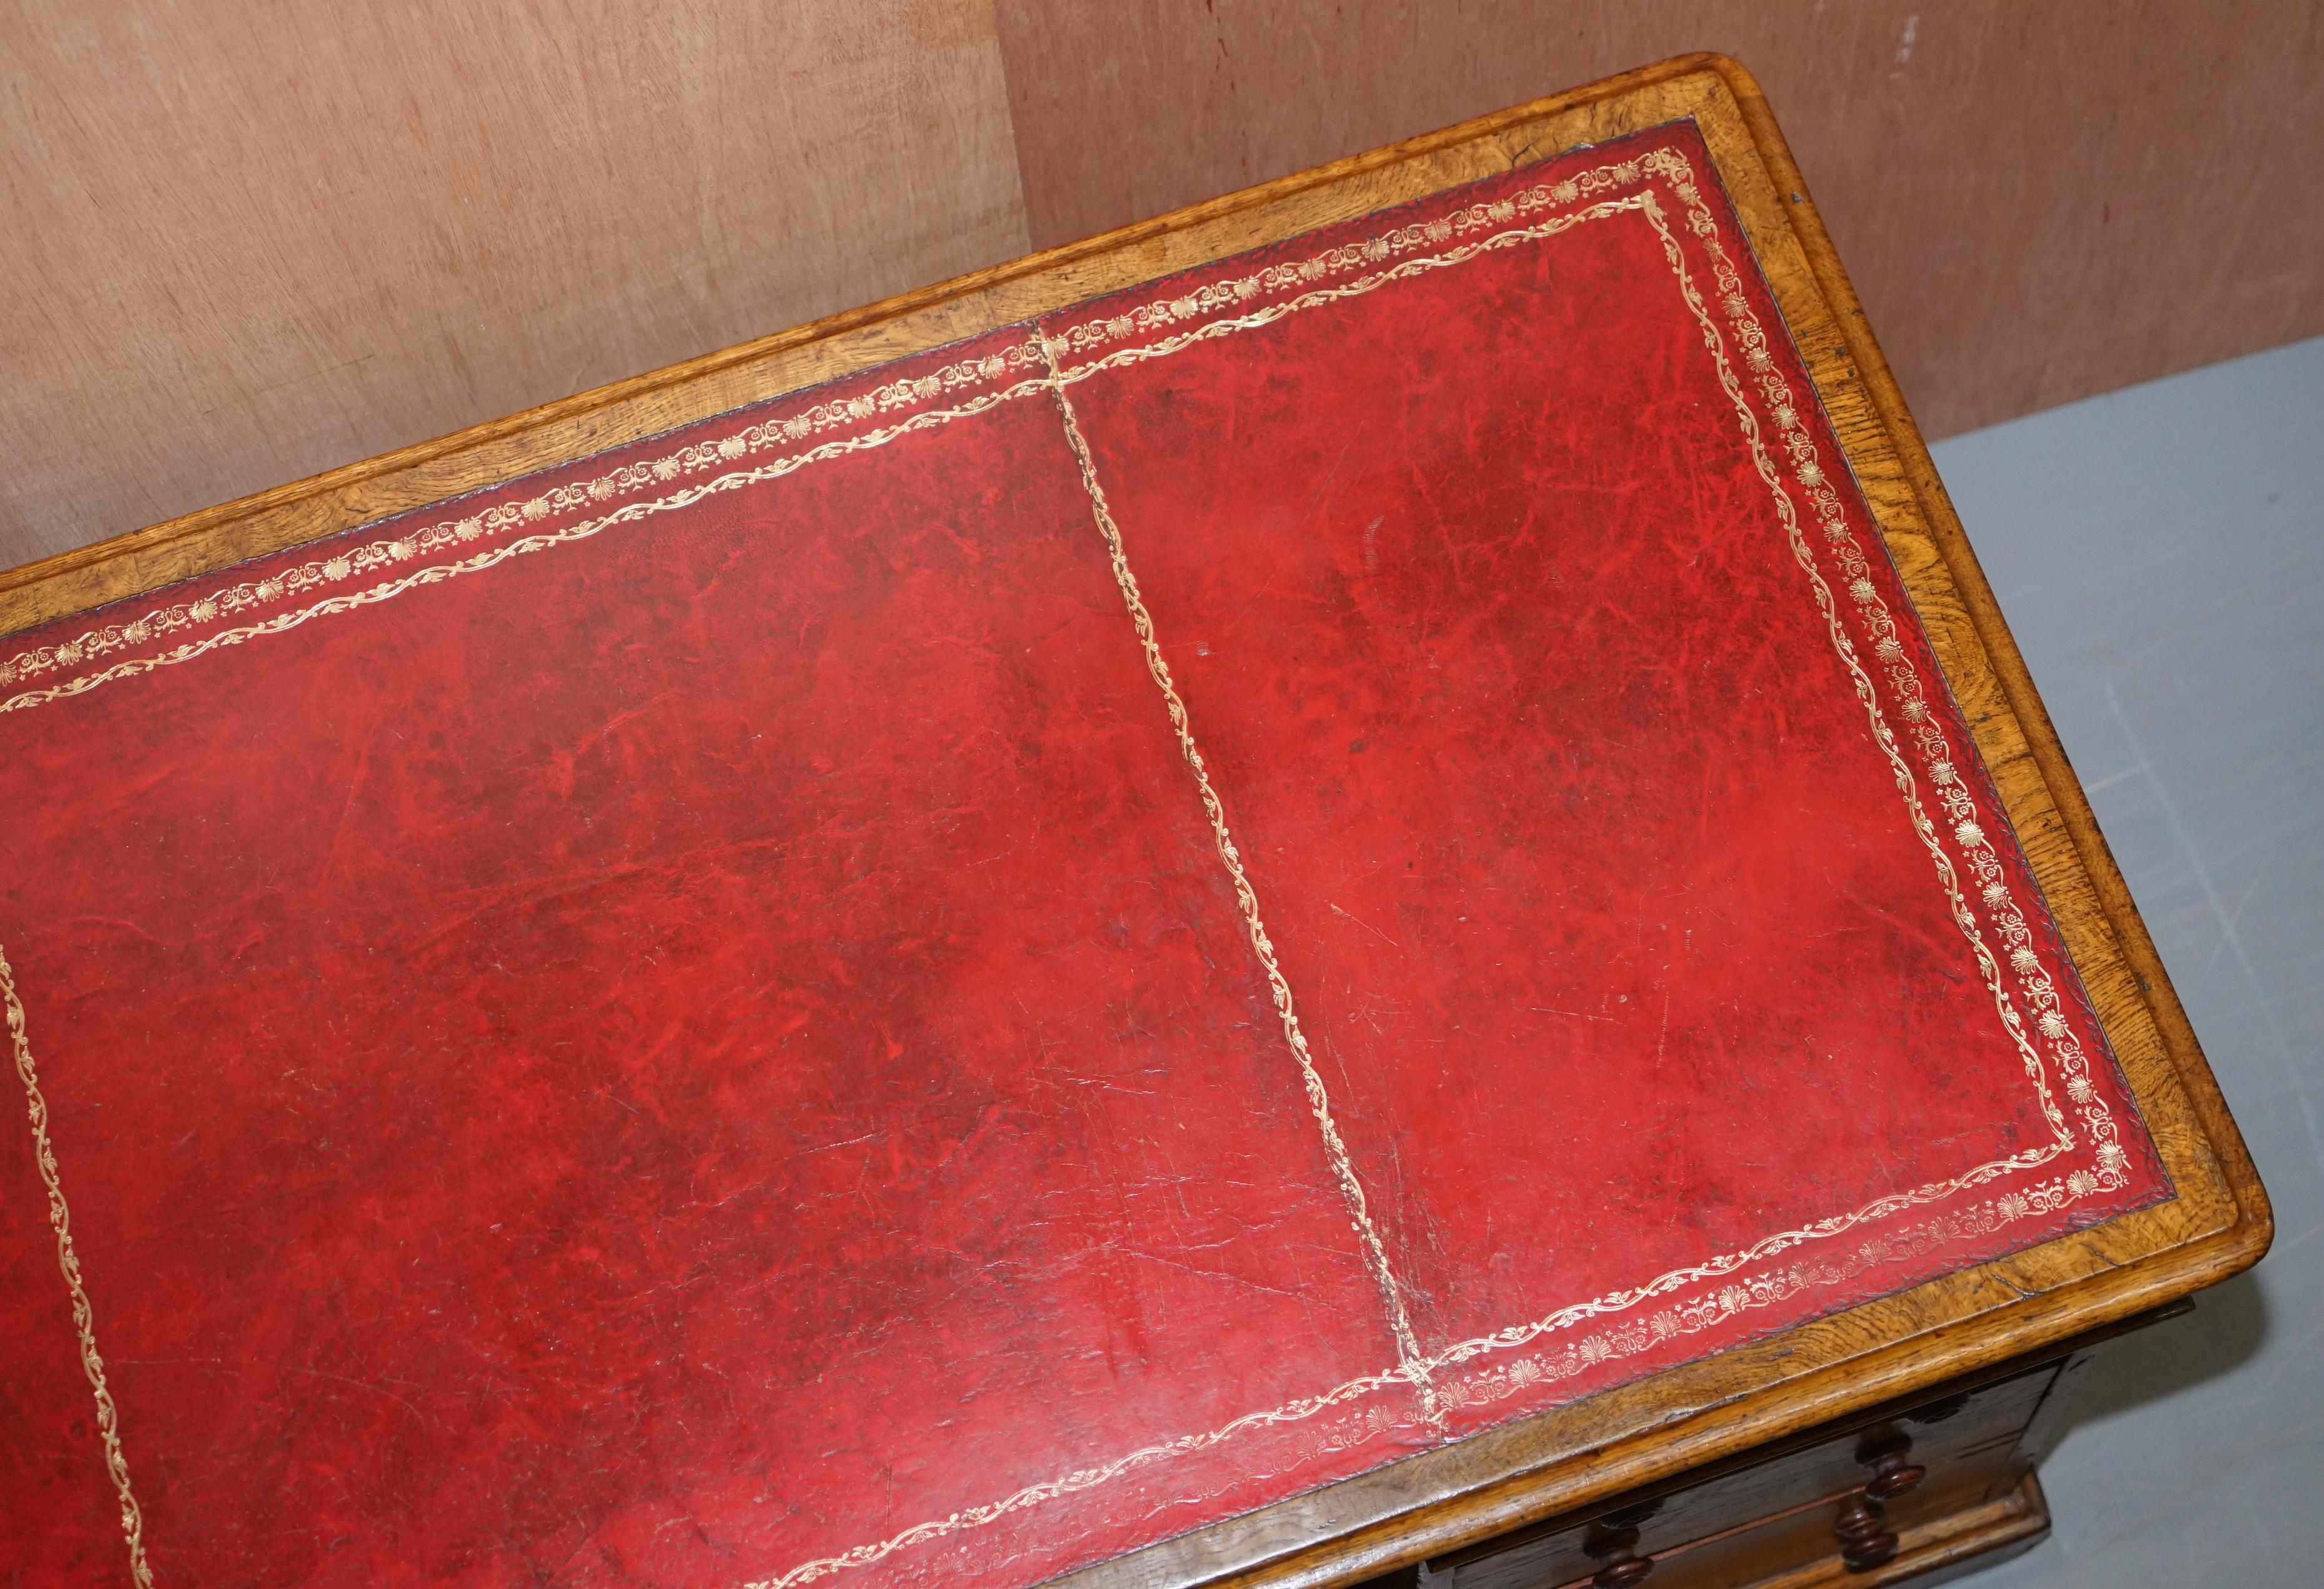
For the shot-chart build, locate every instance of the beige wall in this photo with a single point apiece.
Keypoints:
(241, 245)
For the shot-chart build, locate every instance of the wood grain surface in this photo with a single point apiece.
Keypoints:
(242, 245)
(1571, 1456)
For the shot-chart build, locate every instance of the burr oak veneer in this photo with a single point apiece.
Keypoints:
(1355, 885)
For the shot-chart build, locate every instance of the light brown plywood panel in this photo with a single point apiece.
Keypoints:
(2036, 201)
(240, 245)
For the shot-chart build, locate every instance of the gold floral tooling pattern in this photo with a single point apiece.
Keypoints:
(1470, 1372)
(1278, 986)
(84, 1316)
(1507, 1377)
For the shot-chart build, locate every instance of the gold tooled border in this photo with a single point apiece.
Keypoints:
(1501, 1380)
(108, 1418)
(1319, 1103)
(1041, 349)
(490, 522)
(1976, 845)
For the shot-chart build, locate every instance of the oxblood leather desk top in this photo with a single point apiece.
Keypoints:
(980, 965)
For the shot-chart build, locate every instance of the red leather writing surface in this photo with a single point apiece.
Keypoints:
(963, 971)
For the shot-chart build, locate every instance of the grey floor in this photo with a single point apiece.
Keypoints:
(2160, 554)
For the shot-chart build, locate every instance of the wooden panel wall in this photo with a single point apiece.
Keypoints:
(241, 245)
(2036, 202)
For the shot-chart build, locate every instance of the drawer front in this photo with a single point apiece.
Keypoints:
(1799, 1550)
(1968, 1453)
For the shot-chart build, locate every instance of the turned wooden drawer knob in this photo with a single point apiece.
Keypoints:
(1612, 1542)
(1865, 1540)
(1894, 1471)
(1620, 1575)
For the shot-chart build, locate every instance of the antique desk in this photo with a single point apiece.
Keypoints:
(1351, 887)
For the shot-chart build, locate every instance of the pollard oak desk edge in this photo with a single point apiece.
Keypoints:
(1702, 1412)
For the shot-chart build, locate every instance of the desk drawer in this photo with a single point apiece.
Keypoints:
(1968, 1451)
